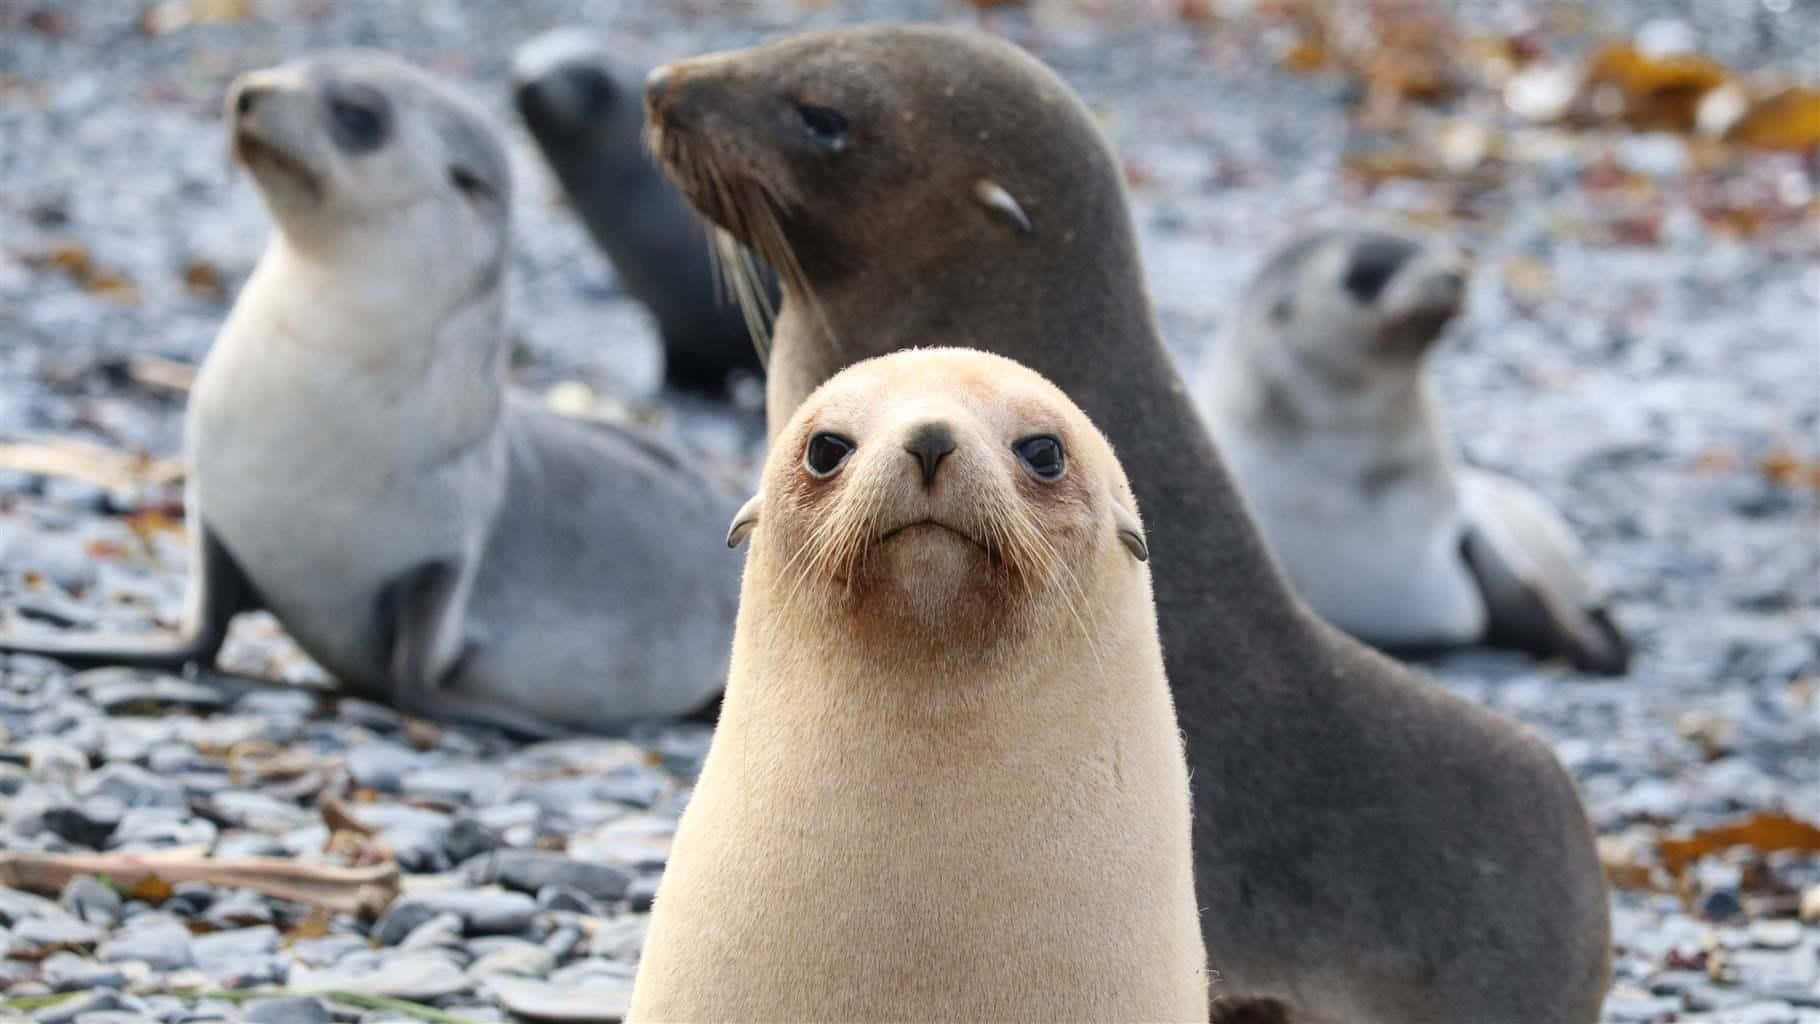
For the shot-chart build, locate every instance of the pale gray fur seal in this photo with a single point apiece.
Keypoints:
(1369, 848)
(1318, 398)
(357, 466)
(586, 112)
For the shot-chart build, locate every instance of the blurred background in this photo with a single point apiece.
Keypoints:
(1641, 343)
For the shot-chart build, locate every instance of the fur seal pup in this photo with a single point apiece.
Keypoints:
(586, 113)
(357, 466)
(1318, 399)
(1369, 848)
(947, 782)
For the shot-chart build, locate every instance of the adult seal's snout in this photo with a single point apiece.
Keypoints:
(657, 88)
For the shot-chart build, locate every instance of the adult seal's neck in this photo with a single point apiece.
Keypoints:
(1069, 301)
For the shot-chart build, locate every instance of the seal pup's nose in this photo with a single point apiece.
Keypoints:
(930, 442)
(248, 97)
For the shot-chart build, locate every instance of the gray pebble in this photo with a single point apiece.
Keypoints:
(216, 952)
(382, 766)
(482, 911)
(568, 899)
(88, 822)
(286, 1010)
(67, 972)
(444, 931)
(165, 945)
(517, 957)
(532, 870)
(47, 934)
(91, 900)
(67, 1011)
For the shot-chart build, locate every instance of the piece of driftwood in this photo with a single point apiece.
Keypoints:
(366, 891)
(89, 462)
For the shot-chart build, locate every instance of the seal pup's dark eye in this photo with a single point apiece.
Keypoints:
(825, 125)
(827, 453)
(470, 183)
(1042, 454)
(357, 118)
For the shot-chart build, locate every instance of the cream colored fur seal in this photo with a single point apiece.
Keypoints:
(947, 782)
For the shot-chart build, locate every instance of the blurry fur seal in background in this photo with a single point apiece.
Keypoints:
(1368, 847)
(587, 115)
(1318, 400)
(947, 782)
(358, 468)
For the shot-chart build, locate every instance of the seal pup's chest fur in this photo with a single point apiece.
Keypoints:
(1365, 517)
(300, 395)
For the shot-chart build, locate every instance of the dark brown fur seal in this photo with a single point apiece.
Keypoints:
(1369, 848)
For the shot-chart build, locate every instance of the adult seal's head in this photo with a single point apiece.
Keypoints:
(584, 107)
(945, 673)
(364, 156)
(864, 166)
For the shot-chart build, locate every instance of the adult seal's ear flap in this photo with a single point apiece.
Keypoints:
(745, 520)
(999, 202)
(1131, 532)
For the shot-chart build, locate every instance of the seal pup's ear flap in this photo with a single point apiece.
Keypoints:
(994, 198)
(1130, 533)
(745, 520)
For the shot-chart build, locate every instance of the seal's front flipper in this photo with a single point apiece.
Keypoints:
(1529, 571)
(217, 592)
(422, 610)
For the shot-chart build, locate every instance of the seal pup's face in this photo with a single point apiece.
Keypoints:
(817, 150)
(360, 147)
(1357, 301)
(936, 490)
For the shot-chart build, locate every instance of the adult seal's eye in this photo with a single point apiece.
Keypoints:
(825, 125)
(826, 454)
(1042, 455)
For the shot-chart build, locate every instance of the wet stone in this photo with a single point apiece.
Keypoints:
(287, 1010)
(467, 838)
(91, 900)
(88, 822)
(52, 933)
(216, 952)
(132, 786)
(444, 931)
(68, 972)
(482, 911)
(163, 945)
(69, 1010)
(532, 870)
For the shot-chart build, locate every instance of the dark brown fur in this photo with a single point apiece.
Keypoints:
(1369, 848)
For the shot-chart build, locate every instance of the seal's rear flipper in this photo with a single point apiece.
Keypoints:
(1528, 569)
(218, 592)
(421, 610)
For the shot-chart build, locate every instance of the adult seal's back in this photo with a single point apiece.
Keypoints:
(1317, 398)
(357, 466)
(1368, 847)
(947, 783)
